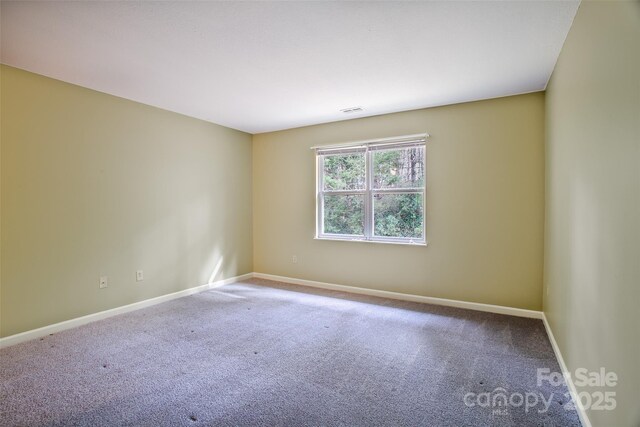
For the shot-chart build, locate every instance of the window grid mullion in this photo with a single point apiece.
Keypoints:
(344, 192)
(368, 214)
(397, 190)
(320, 195)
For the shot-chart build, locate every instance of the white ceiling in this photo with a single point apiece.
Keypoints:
(264, 66)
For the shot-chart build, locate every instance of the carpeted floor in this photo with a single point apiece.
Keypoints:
(267, 353)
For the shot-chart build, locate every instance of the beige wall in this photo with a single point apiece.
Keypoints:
(592, 247)
(484, 205)
(97, 185)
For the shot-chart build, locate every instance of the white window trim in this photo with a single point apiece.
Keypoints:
(368, 147)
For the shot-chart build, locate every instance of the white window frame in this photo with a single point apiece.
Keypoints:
(368, 148)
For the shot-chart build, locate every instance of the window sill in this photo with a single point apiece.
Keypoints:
(384, 242)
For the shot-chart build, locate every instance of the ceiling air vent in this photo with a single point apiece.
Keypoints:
(352, 110)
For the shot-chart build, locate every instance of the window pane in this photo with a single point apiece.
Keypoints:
(344, 171)
(402, 168)
(344, 214)
(398, 215)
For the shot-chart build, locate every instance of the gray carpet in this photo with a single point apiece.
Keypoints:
(267, 353)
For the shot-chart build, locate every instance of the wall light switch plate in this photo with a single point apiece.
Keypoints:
(139, 276)
(103, 282)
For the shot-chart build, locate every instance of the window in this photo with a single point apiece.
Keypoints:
(372, 190)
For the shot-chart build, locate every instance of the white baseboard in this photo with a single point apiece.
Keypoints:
(520, 312)
(79, 321)
(582, 413)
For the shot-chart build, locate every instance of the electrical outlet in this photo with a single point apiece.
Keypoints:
(294, 259)
(103, 282)
(139, 276)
